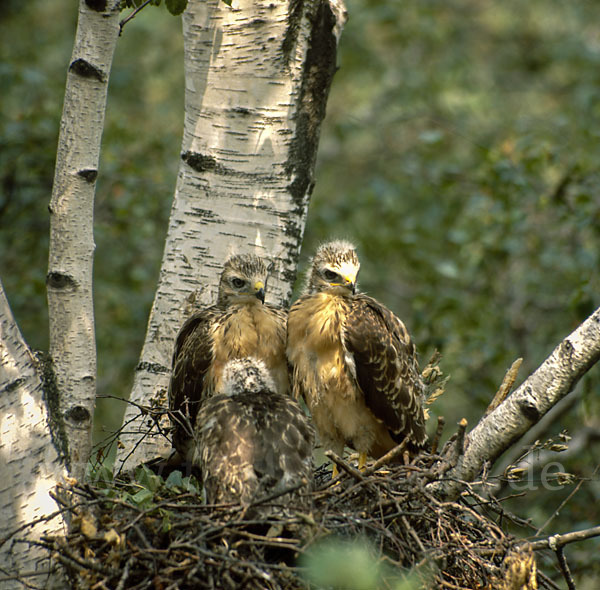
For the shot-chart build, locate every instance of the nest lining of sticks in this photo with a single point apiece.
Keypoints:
(177, 541)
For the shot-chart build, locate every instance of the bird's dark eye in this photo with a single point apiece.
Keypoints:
(237, 283)
(330, 275)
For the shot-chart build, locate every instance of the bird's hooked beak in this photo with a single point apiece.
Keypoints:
(350, 282)
(259, 291)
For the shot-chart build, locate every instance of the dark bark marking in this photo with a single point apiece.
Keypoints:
(528, 408)
(319, 69)
(202, 163)
(156, 368)
(205, 214)
(199, 162)
(291, 33)
(241, 110)
(257, 22)
(59, 280)
(567, 349)
(96, 5)
(89, 174)
(85, 69)
(78, 415)
(14, 384)
(51, 397)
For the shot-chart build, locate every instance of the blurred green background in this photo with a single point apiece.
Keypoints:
(460, 153)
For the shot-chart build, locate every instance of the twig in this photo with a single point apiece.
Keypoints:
(458, 448)
(132, 15)
(564, 568)
(562, 504)
(357, 475)
(555, 541)
(547, 581)
(387, 458)
(141, 535)
(438, 434)
(413, 534)
(505, 387)
(460, 439)
(278, 494)
(125, 574)
(31, 574)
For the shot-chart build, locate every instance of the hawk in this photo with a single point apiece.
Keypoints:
(251, 441)
(239, 325)
(353, 361)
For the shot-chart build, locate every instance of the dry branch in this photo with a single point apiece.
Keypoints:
(554, 541)
(505, 386)
(556, 377)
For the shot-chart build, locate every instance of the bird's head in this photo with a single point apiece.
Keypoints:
(334, 269)
(243, 280)
(246, 375)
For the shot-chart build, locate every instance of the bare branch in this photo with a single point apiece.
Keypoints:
(505, 387)
(564, 568)
(562, 505)
(132, 15)
(556, 377)
(438, 434)
(357, 475)
(555, 541)
(391, 455)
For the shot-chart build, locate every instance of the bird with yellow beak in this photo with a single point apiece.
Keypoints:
(239, 325)
(353, 361)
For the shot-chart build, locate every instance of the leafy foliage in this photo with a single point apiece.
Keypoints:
(146, 489)
(176, 7)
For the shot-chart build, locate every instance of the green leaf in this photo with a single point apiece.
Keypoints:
(175, 480)
(176, 7)
(189, 485)
(146, 478)
(100, 474)
(142, 497)
(228, 2)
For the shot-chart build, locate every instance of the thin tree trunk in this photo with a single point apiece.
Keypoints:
(69, 279)
(257, 81)
(554, 379)
(31, 456)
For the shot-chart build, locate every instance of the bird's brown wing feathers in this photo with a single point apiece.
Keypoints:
(192, 359)
(252, 444)
(386, 368)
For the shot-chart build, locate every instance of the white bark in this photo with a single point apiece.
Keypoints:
(69, 280)
(554, 379)
(257, 80)
(31, 463)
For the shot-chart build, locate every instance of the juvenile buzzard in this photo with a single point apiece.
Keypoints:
(353, 361)
(239, 325)
(251, 441)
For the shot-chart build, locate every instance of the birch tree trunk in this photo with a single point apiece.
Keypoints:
(32, 453)
(257, 80)
(69, 279)
(554, 379)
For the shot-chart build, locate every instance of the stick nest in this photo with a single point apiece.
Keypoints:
(166, 537)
